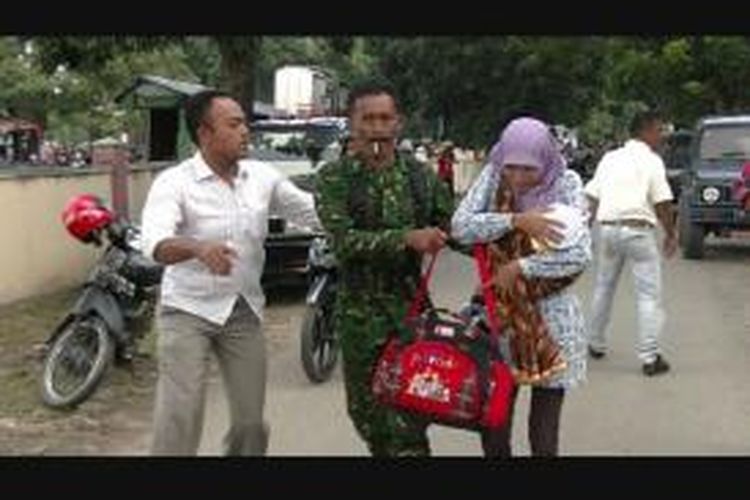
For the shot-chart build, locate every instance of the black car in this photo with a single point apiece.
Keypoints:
(720, 147)
(297, 148)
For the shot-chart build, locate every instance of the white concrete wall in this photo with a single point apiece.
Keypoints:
(37, 255)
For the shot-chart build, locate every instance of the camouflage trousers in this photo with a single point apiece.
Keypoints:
(363, 328)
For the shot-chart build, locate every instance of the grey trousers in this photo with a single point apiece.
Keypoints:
(184, 345)
(616, 245)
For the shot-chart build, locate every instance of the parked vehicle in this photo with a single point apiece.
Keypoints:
(297, 148)
(319, 344)
(113, 311)
(720, 147)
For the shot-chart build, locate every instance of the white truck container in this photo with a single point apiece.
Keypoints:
(304, 91)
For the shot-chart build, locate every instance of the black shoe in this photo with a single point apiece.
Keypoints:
(596, 354)
(656, 367)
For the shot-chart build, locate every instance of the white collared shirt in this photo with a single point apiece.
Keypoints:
(190, 200)
(628, 182)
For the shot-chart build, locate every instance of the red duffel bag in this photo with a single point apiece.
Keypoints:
(450, 372)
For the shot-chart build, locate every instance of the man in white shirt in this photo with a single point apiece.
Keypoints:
(206, 219)
(628, 193)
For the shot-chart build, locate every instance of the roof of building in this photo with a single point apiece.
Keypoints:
(151, 91)
(14, 124)
(146, 86)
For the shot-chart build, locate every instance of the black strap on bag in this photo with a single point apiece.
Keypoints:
(485, 278)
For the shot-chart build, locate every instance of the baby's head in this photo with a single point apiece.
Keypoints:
(574, 225)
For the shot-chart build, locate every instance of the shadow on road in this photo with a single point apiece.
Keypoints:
(727, 250)
(286, 294)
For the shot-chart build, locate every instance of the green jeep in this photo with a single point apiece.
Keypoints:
(720, 147)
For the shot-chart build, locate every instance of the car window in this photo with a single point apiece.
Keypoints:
(677, 151)
(278, 144)
(305, 143)
(725, 143)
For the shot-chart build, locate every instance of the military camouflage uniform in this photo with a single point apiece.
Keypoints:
(367, 213)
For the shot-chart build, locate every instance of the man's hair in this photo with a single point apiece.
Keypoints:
(642, 120)
(196, 108)
(370, 88)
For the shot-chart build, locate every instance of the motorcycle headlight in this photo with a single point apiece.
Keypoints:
(711, 195)
(317, 247)
(320, 253)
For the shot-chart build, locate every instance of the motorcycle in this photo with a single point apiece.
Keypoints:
(111, 315)
(319, 344)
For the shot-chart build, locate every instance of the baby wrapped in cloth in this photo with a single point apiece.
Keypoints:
(536, 357)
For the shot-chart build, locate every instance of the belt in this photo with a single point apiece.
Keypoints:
(628, 223)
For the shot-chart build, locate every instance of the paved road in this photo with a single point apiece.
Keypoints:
(700, 408)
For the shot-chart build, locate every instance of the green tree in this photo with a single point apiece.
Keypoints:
(84, 75)
(470, 83)
(237, 67)
(457, 87)
(25, 91)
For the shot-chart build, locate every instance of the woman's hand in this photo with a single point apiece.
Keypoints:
(539, 227)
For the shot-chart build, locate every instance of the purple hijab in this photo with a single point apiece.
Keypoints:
(528, 141)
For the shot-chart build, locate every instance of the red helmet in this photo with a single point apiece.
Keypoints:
(85, 215)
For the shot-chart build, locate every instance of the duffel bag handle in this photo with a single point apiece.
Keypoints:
(485, 278)
(424, 282)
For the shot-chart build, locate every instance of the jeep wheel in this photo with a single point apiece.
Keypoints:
(693, 238)
(683, 221)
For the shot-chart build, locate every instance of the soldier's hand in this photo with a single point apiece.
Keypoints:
(539, 227)
(217, 256)
(428, 240)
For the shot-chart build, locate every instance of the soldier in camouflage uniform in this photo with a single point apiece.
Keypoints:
(383, 211)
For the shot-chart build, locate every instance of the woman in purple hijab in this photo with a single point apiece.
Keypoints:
(526, 190)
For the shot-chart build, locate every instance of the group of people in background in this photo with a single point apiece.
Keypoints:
(49, 153)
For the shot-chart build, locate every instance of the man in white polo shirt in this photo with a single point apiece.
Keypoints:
(206, 219)
(628, 193)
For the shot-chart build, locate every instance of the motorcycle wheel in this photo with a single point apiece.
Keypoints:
(319, 344)
(76, 362)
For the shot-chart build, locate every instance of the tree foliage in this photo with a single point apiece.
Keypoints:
(458, 87)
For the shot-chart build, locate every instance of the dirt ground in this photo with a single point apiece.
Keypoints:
(118, 410)
(117, 415)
